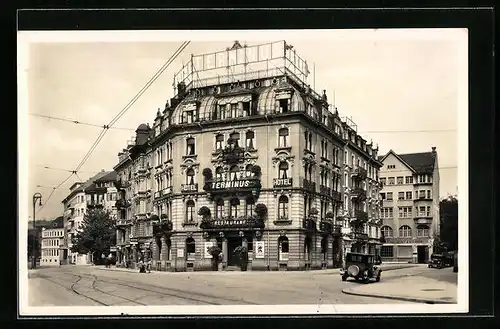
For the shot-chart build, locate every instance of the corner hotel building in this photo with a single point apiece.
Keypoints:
(254, 157)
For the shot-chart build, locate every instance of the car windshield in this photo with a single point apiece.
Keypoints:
(356, 258)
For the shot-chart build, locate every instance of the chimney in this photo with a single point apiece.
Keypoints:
(433, 149)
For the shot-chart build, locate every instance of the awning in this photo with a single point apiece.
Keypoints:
(234, 99)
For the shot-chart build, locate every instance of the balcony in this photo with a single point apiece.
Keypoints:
(423, 220)
(282, 220)
(361, 216)
(309, 225)
(336, 229)
(359, 173)
(336, 196)
(233, 155)
(282, 182)
(162, 227)
(95, 204)
(309, 185)
(358, 193)
(231, 223)
(422, 198)
(189, 188)
(325, 190)
(360, 236)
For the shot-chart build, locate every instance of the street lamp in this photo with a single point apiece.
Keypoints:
(36, 196)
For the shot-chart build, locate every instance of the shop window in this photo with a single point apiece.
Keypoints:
(190, 248)
(387, 251)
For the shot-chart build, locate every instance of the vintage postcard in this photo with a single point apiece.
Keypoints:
(224, 172)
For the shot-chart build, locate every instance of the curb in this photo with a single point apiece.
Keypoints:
(402, 298)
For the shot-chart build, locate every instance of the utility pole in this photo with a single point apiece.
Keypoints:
(36, 196)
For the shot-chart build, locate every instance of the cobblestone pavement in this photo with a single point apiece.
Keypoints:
(90, 285)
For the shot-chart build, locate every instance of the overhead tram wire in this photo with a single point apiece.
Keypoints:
(52, 192)
(60, 169)
(75, 121)
(105, 128)
(131, 102)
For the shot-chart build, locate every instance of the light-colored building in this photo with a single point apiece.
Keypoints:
(226, 147)
(52, 244)
(82, 195)
(410, 205)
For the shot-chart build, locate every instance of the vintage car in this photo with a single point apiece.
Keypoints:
(438, 261)
(360, 267)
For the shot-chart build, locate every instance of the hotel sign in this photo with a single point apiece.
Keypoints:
(282, 182)
(235, 184)
(187, 188)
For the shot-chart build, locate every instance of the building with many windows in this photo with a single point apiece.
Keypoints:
(255, 159)
(410, 205)
(98, 191)
(52, 244)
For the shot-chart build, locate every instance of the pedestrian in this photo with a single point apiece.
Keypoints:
(149, 266)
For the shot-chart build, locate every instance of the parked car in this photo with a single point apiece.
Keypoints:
(361, 267)
(437, 261)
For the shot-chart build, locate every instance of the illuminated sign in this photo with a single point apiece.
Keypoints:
(282, 182)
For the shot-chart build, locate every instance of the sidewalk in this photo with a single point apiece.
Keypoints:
(387, 267)
(417, 289)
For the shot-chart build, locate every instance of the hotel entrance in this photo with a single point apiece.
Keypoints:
(232, 243)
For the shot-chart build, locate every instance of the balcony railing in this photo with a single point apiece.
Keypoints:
(359, 173)
(358, 193)
(189, 188)
(426, 214)
(123, 222)
(360, 236)
(309, 185)
(325, 190)
(423, 198)
(164, 192)
(162, 227)
(282, 182)
(95, 204)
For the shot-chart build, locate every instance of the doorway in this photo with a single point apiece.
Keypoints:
(232, 243)
(422, 254)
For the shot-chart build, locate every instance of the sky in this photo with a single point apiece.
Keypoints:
(401, 88)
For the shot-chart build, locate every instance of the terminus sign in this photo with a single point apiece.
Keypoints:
(246, 183)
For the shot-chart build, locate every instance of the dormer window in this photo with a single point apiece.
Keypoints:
(234, 110)
(246, 109)
(283, 105)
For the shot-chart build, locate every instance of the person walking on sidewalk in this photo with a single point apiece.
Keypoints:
(149, 265)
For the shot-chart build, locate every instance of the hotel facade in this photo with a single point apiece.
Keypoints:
(410, 205)
(254, 158)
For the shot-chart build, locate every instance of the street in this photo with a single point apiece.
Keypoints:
(92, 285)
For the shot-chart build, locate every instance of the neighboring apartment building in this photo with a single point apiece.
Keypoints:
(410, 205)
(227, 146)
(52, 244)
(75, 206)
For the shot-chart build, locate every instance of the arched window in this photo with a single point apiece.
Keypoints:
(190, 177)
(233, 209)
(219, 142)
(422, 231)
(219, 208)
(233, 172)
(283, 137)
(190, 248)
(249, 139)
(283, 170)
(219, 173)
(190, 211)
(283, 207)
(235, 137)
(405, 231)
(250, 204)
(283, 247)
(386, 231)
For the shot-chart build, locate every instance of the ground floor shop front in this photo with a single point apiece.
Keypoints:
(417, 252)
(269, 250)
